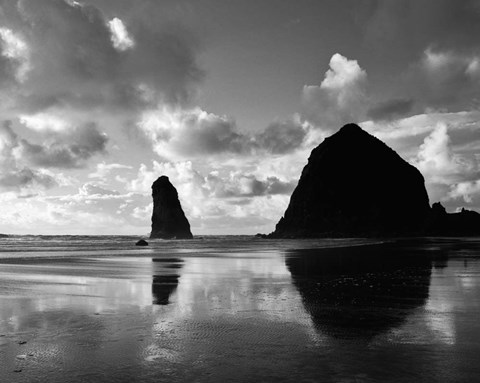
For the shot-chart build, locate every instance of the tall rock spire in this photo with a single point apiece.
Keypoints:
(168, 218)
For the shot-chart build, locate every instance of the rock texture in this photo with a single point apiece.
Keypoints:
(355, 185)
(168, 218)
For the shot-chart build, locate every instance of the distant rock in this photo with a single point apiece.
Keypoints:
(168, 218)
(142, 242)
(463, 223)
(260, 235)
(355, 186)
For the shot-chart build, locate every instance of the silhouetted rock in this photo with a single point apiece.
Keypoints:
(355, 185)
(260, 235)
(168, 218)
(142, 242)
(441, 223)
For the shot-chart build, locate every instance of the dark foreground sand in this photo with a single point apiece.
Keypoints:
(236, 310)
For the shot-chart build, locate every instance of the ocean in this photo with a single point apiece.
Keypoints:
(239, 308)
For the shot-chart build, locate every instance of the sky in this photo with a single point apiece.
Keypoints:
(98, 98)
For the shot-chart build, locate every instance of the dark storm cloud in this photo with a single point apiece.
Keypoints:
(391, 109)
(282, 137)
(79, 58)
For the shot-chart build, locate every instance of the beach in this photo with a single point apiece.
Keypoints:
(233, 309)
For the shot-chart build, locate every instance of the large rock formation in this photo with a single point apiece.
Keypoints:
(463, 223)
(355, 185)
(168, 218)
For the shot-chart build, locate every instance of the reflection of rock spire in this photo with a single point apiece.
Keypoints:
(168, 218)
(360, 291)
(164, 279)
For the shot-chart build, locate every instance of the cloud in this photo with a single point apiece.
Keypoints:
(390, 110)
(177, 134)
(465, 190)
(69, 55)
(446, 79)
(15, 54)
(103, 170)
(436, 160)
(185, 133)
(41, 122)
(120, 38)
(15, 176)
(70, 150)
(90, 188)
(340, 98)
(443, 23)
(237, 185)
(18, 179)
(20, 159)
(282, 137)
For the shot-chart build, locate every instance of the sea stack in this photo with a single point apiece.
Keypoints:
(355, 186)
(168, 218)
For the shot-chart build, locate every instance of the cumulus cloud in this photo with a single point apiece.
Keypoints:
(340, 98)
(436, 160)
(177, 134)
(391, 109)
(120, 37)
(465, 190)
(184, 133)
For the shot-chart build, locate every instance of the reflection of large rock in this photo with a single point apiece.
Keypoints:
(165, 279)
(360, 291)
(168, 218)
(355, 185)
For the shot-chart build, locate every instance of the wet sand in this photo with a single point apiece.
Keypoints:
(234, 310)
